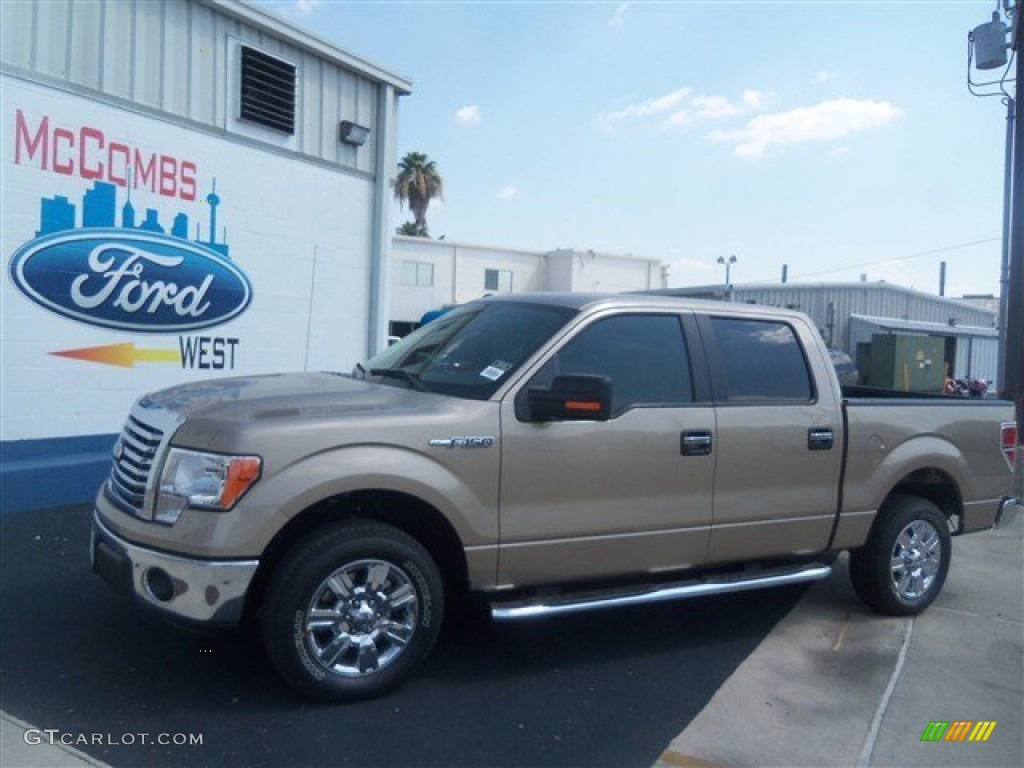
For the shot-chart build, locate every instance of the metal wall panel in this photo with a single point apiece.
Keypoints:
(147, 53)
(18, 32)
(85, 66)
(52, 32)
(203, 72)
(118, 50)
(178, 55)
(173, 56)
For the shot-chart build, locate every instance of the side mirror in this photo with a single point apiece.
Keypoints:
(572, 398)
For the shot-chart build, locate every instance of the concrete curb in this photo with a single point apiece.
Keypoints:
(19, 748)
(835, 684)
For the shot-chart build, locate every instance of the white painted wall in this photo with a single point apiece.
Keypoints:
(460, 268)
(299, 230)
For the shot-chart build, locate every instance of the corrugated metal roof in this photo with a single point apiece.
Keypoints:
(934, 329)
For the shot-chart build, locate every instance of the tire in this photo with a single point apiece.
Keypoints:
(352, 610)
(902, 567)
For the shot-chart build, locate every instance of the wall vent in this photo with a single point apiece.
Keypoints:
(268, 91)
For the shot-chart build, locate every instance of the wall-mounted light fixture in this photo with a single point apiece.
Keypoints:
(352, 133)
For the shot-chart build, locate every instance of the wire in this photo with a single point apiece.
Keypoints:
(900, 258)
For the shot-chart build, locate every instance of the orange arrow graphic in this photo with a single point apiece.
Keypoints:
(124, 355)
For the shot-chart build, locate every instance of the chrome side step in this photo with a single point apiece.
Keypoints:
(553, 605)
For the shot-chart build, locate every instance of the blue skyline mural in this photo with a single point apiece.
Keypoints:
(99, 209)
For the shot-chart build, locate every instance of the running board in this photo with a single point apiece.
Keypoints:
(554, 605)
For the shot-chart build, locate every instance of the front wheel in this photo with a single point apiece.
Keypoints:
(352, 610)
(902, 567)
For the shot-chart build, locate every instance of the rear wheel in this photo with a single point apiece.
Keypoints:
(352, 610)
(902, 567)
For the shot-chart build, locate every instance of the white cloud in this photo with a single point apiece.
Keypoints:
(620, 15)
(511, 192)
(715, 107)
(832, 119)
(469, 115)
(823, 77)
(305, 7)
(654, 106)
(758, 100)
(683, 109)
(681, 118)
(719, 107)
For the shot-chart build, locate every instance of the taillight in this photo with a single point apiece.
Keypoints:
(1009, 443)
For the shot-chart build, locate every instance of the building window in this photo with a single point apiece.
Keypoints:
(498, 280)
(268, 91)
(419, 274)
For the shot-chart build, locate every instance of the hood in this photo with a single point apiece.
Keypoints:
(293, 396)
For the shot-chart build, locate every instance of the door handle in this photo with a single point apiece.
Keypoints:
(695, 443)
(820, 439)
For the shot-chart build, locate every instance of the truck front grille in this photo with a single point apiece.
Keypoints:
(134, 456)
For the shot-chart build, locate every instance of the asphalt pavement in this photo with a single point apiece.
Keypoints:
(118, 686)
(832, 684)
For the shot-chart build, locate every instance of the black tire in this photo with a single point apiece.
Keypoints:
(911, 530)
(380, 603)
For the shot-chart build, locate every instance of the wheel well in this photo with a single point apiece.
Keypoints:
(937, 487)
(414, 516)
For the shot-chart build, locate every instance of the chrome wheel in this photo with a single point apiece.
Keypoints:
(916, 559)
(903, 564)
(361, 618)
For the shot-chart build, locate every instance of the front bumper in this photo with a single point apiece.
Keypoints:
(192, 590)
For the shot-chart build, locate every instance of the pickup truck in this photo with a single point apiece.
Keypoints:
(549, 453)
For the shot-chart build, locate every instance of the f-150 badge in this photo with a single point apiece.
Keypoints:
(463, 442)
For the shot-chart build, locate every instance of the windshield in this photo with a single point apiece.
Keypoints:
(469, 351)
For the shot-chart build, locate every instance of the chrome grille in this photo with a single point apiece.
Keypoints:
(134, 456)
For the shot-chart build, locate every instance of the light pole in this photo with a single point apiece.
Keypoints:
(728, 272)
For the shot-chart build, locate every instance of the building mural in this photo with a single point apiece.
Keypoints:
(140, 254)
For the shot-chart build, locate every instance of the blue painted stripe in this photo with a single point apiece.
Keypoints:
(53, 472)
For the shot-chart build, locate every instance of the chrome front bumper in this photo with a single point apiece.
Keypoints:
(196, 591)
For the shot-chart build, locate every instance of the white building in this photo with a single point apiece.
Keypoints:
(429, 274)
(849, 315)
(190, 189)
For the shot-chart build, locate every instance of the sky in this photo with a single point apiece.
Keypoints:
(838, 138)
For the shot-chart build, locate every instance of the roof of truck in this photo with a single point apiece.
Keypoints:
(590, 301)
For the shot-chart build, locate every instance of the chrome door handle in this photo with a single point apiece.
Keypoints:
(695, 443)
(820, 439)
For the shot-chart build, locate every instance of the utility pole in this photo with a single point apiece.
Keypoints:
(1014, 350)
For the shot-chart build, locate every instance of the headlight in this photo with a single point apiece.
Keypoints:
(203, 480)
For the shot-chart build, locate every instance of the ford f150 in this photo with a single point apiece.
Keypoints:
(552, 453)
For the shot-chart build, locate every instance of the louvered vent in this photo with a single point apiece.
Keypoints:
(268, 91)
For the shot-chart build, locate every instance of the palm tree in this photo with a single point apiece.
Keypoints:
(409, 229)
(418, 183)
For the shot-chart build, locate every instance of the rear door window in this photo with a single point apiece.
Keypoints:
(758, 361)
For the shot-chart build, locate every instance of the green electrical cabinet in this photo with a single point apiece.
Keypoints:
(907, 363)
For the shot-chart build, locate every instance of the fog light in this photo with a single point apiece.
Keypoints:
(159, 584)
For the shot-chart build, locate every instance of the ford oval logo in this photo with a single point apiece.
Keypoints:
(145, 282)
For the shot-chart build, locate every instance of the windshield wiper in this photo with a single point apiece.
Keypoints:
(397, 373)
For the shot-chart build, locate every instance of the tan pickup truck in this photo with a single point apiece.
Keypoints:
(551, 453)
